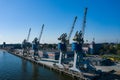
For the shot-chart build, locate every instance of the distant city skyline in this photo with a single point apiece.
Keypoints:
(17, 16)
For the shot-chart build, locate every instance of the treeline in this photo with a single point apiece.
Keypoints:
(44, 46)
(13, 46)
(48, 46)
(110, 48)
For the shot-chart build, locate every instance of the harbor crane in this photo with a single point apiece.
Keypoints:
(36, 44)
(78, 52)
(26, 45)
(41, 33)
(62, 45)
(69, 35)
(62, 48)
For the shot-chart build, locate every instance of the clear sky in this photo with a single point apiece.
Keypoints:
(17, 16)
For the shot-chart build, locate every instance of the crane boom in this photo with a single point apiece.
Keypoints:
(28, 35)
(41, 33)
(84, 23)
(72, 29)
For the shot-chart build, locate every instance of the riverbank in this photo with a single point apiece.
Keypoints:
(51, 65)
(106, 70)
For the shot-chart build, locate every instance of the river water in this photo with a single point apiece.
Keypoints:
(15, 68)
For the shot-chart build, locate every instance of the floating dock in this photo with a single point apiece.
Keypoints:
(51, 65)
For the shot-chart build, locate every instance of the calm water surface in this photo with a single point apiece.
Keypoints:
(15, 68)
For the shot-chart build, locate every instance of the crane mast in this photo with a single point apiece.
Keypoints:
(41, 33)
(71, 29)
(84, 23)
(28, 35)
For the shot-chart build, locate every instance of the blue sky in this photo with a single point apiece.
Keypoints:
(17, 16)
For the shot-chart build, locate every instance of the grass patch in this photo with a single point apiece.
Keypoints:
(115, 57)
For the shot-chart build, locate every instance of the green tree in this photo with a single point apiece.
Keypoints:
(118, 48)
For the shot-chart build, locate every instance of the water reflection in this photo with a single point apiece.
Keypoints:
(35, 70)
(24, 65)
(15, 68)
